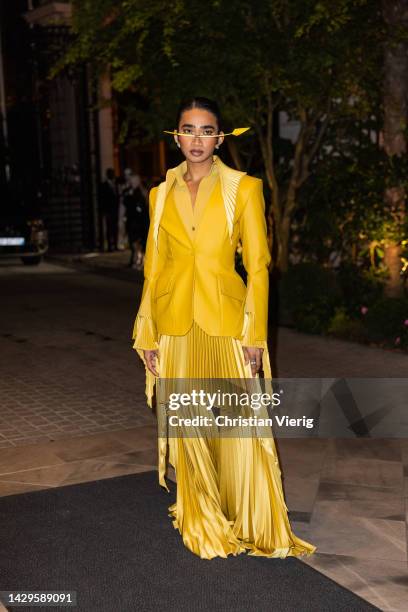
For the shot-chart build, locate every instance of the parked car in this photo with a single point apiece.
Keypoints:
(23, 236)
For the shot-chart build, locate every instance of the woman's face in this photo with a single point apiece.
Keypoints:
(193, 123)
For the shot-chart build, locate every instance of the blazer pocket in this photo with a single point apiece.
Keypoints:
(163, 286)
(232, 286)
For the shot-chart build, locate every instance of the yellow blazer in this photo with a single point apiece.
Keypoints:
(190, 271)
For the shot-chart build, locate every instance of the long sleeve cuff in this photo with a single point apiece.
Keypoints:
(144, 334)
(247, 340)
(248, 332)
(145, 339)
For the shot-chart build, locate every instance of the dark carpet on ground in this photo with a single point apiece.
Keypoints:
(112, 542)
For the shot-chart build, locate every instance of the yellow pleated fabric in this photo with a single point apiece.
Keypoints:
(229, 489)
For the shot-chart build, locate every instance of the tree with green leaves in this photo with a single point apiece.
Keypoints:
(316, 61)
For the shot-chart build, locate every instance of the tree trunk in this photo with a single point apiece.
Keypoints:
(392, 259)
(284, 244)
(272, 234)
(284, 198)
(395, 14)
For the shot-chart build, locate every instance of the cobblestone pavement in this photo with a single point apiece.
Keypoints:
(67, 365)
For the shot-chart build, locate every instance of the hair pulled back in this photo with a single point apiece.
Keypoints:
(200, 102)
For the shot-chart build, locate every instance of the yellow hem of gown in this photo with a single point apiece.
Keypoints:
(229, 492)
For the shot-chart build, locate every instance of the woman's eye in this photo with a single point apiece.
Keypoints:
(208, 132)
(186, 131)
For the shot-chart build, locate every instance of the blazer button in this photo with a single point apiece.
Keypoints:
(193, 228)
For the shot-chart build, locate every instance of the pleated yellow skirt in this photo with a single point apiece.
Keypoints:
(229, 490)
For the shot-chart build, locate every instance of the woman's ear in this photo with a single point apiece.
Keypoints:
(176, 140)
(220, 140)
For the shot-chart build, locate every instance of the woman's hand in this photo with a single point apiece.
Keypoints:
(253, 356)
(151, 360)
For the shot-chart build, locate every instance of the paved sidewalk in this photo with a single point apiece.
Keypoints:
(114, 265)
(66, 358)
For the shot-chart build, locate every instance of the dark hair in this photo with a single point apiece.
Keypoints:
(199, 102)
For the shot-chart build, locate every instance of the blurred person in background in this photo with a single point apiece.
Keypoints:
(137, 219)
(124, 186)
(109, 206)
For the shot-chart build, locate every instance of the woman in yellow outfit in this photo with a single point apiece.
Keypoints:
(198, 320)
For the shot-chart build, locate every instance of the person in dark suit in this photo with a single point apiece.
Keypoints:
(109, 207)
(137, 219)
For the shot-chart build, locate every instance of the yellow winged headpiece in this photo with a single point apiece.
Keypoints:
(236, 132)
